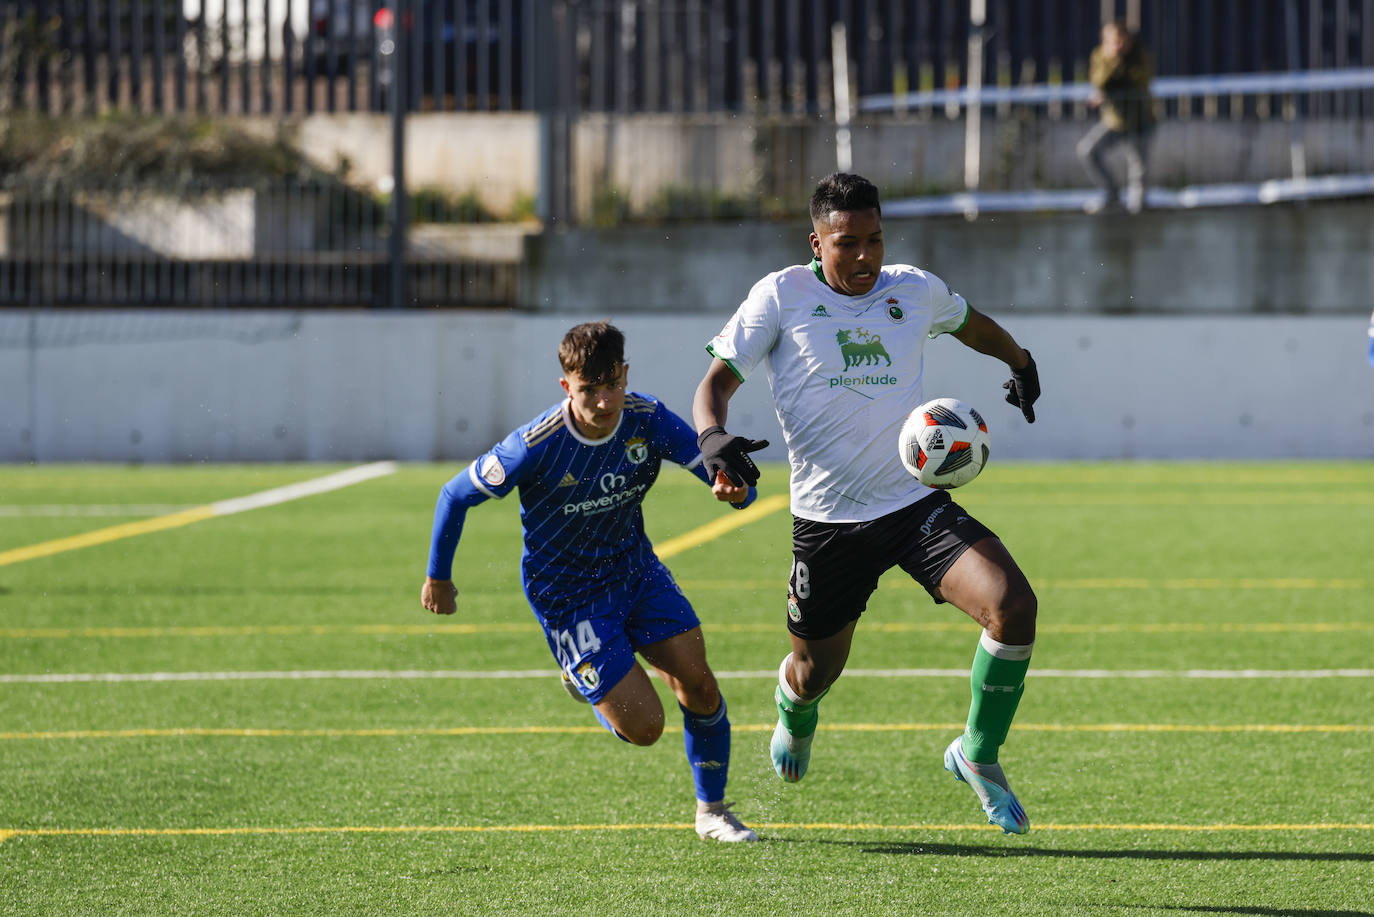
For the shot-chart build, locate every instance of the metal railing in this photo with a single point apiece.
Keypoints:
(282, 242)
(303, 56)
(582, 64)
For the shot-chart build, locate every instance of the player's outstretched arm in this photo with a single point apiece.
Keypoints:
(439, 596)
(984, 335)
(722, 453)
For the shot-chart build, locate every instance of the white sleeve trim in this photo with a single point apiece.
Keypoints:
(480, 484)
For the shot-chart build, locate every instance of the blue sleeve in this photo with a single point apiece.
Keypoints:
(680, 444)
(449, 512)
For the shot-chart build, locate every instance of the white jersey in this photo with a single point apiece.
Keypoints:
(845, 371)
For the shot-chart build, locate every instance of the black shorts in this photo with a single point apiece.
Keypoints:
(836, 565)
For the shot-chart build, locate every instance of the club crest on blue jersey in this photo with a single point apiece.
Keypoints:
(588, 675)
(636, 450)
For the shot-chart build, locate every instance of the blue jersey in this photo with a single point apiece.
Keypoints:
(579, 498)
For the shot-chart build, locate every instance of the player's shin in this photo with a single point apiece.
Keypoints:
(707, 742)
(798, 716)
(998, 679)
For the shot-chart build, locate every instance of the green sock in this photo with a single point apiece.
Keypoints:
(799, 717)
(998, 679)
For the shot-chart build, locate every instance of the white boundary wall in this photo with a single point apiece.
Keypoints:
(275, 386)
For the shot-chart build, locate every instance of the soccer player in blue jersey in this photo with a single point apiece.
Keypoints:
(589, 572)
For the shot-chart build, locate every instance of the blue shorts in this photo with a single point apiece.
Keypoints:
(596, 643)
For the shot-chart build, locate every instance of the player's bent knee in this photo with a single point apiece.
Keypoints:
(641, 724)
(1014, 617)
(644, 733)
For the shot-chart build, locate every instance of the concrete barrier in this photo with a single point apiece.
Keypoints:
(1284, 259)
(280, 386)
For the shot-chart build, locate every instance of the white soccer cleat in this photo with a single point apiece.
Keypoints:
(572, 689)
(999, 802)
(718, 823)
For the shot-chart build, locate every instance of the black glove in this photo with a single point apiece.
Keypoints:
(722, 452)
(1023, 388)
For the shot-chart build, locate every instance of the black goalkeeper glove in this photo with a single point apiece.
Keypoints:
(722, 452)
(1023, 388)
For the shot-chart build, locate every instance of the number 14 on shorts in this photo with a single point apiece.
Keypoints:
(572, 645)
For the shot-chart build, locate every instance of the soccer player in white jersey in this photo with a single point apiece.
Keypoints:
(842, 341)
(591, 576)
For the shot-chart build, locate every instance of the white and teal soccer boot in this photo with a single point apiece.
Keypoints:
(999, 802)
(791, 754)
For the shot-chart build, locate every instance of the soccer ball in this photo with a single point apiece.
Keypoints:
(944, 443)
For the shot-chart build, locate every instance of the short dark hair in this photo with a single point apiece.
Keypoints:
(593, 350)
(843, 191)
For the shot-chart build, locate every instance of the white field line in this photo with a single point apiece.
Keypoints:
(450, 674)
(198, 513)
(335, 481)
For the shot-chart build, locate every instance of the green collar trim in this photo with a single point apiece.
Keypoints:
(816, 266)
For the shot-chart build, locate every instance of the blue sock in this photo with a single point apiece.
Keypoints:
(607, 723)
(707, 740)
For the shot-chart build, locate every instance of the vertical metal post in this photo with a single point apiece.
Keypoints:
(288, 55)
(265, 65)
(245, 64)
(839, 56)
(399, 99)
(136, 55)
(973, 110)
(550, 27)
(1297, 151)
(159, 56)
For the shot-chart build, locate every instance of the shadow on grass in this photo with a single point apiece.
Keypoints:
(1257, 911)
(915, 849)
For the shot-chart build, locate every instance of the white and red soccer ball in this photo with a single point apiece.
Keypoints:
(944, 443)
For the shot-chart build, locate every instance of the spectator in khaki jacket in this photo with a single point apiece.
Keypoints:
(1120, 71)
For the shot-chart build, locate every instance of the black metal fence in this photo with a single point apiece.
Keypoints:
(301, 56)
(306, 243)
(329, 243)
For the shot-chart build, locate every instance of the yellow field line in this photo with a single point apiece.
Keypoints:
(102, 536)
(723, 525)
(272, 497)
(760, 627)
(455, 731)
(7, 833)
(692, 539)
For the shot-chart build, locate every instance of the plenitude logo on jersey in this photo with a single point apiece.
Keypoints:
(861, 349)
(614, 493)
